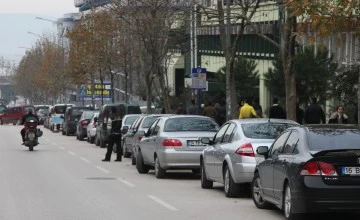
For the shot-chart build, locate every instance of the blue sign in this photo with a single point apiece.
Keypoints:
(100, 91)
(198, 78)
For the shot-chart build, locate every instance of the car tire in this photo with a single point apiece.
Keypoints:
(159, 172)
(102, 143)
(140, 166)
(1, 122)
(205, 183)
(92, 140)
(81, 138)
(62, 132)
(125, 153)
(287, 205)
(133, 159)
(231, 188)
(67, 133)
(256, 193)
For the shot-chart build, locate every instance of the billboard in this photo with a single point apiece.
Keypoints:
(86, 92)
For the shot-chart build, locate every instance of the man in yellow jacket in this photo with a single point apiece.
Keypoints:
(247, 111)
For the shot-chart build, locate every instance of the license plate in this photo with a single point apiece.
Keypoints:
(350, 171)
(194, 143)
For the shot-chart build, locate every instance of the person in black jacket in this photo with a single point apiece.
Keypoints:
(115, 122)
(314, 114)
(23, 120)
(276, 111)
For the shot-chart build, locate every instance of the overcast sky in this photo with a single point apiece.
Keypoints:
(17, 17)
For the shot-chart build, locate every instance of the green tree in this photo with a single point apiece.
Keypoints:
(246, 77)
(315, 73)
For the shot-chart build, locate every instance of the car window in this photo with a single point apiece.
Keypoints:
(278, 145)
(152, 128)
(330, 139)
(130, 119)
(2, 109)
(190, 124)
(17, 110)
(220, 134)
(148, 121)
(264, 130)
(60, 109)
(229, 133)
(291, 144)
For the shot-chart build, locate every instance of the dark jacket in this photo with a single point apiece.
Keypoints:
(26, 116)
(314, 114)
(276, 111)
(299, 115)
(116, 123)
(335, 119)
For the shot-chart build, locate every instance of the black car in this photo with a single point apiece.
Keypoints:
(71, 118)
(310, 169)
(81, 127)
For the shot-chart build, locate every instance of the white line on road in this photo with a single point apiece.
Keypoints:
(72, 153)
(84, 159)
(62, 148)
(126, 182)
(161, 202)
(102, 169)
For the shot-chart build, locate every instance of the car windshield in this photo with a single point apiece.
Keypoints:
(331, 139)
(190, 124)
(26, 109)
(43, 111)
(2, 109)
(148, 121)
(129, 120)
(77, 112)
(88, 114)
(264, 130)
(60, 109)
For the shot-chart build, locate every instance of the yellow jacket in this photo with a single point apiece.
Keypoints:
(247, 111)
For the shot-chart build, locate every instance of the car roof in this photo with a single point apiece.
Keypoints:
(264, 120)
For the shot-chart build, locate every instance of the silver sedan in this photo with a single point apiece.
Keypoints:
(231, 157)
(174, 142)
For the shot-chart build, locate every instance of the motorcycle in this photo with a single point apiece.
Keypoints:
(32, 133)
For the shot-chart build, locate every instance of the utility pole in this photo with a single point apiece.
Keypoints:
(229, 112)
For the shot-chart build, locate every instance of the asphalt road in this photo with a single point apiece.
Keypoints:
(64, 178)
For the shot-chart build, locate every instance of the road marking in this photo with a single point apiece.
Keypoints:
(84, 159)
(126, 182)
(62, 148)
(72, 153)
(161, 202)
(102, 169)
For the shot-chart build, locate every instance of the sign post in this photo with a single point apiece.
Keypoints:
(198, 77)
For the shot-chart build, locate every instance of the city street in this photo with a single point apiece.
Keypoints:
(65, 179)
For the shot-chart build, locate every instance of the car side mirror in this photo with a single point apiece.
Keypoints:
(141, 133)
(262, 150)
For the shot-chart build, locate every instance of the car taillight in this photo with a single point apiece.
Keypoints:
(84, 123)
(245, 150)
(172, 143)
(317, 168)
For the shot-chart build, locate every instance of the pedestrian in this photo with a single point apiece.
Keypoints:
(338, 117)
(192, 110)
(210, 110)
(314, 114)
(180, 109)
(220, 116)
(247, 111)
(276, 110)
(114, 127)
(257, 107)
(299, 114)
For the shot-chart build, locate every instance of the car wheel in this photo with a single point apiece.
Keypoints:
(205, 183)
(159, 172)
(140, 166)
(62, 132)
(92, 140)
(67, 133)
(1, 122)
(125, 153)
(231, 188)
(102, 143)
(81, 138)
(256, 192)
(133, 159)
(287, 205)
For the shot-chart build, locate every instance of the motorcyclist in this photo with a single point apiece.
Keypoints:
(23, 120)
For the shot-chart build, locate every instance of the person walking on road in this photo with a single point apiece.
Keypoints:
(247, 111)
(276, 111)
(338, 117)
(114, 122)
(314, 114)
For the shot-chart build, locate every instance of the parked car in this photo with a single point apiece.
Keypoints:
(230, 157)
(14, 114)
(81, 127)
(2, 109)
(42, 111)
(128, 137)
(56, 116)
(311, 168)
(71, 118)
(138, 133)
(173, 142)
(102, 129)
(127, 121)
(91, 128)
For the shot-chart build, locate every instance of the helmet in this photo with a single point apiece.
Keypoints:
(30, 111)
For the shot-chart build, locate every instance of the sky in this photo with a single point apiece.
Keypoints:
(17, 17)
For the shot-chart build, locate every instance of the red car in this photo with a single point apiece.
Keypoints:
(13, 114)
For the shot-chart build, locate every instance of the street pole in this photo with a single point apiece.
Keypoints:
(229, 112)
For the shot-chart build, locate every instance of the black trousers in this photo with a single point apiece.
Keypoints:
(114, 139)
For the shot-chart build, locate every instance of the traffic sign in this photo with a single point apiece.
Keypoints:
(198, 78)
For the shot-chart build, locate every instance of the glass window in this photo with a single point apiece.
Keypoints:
(220, 134)
(278, 145)
(229, 133)
(129, 120)
(148, 121)
(291, 144)
(264, 130)
(152, 127)
(190, 124)
(60, 109)
(328, 139)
